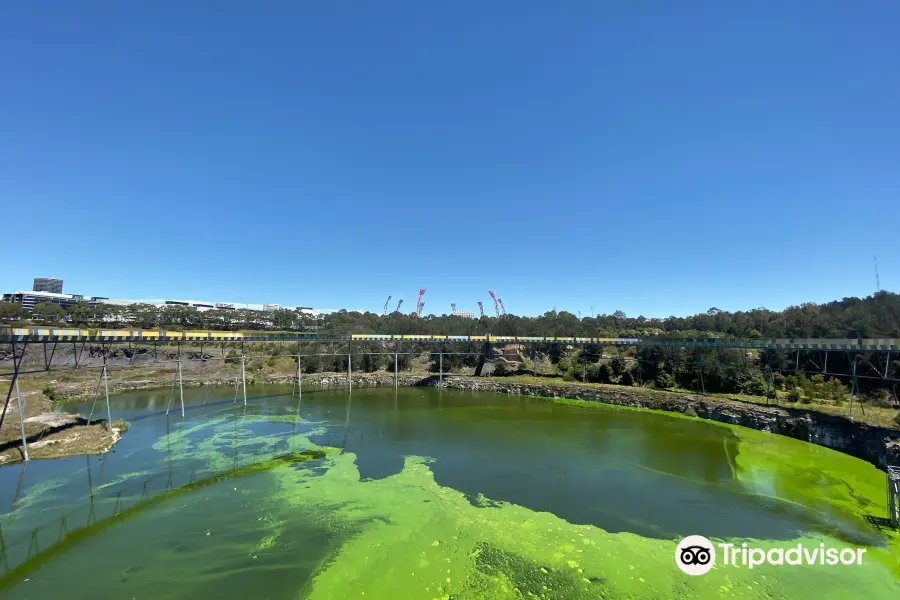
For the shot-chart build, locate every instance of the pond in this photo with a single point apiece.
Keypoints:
(427, 493)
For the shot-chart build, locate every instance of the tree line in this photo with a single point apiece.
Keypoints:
(871, 317)
(726, 370)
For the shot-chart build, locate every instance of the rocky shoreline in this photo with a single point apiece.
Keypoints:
(878, 445)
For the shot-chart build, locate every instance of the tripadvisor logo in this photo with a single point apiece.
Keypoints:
(696, 555)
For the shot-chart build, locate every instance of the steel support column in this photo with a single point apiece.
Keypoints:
(16, 367)
(243, 377)
(49, 361)
(21, 422)
(181, 387)
(106, 389)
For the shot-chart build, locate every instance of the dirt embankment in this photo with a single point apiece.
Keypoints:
(50, 434)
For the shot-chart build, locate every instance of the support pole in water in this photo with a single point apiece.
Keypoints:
(106, 390)
(298, 382)
(243, 378)
(441, 366)
(395, 370)
(299, 379)
(350, 365)
(181, 388)
(21, 422)
(171, 394)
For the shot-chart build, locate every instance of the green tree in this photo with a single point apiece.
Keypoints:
(81, 313)
(664, 380)
(143, 315)
(11, 311)
(48, 312)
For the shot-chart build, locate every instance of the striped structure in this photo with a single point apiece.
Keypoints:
(45, 335)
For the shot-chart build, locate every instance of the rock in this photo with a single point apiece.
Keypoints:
(836, 432)
(53, 420)
(892, 452)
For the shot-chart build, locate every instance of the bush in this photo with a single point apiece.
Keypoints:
(501, 368)
(755, 386)
(618, 366)
(49, 392)
(795, 395)
(779, 381)
(256, 364)
(664, 380)
(626, 379)
(881, 398)
(604, 373)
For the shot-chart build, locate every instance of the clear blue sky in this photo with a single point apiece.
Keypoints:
(655, 157)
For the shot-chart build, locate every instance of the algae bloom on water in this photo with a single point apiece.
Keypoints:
(437, 494)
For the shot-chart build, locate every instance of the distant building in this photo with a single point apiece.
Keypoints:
(28, 300)
(47, 284)
(464, 315)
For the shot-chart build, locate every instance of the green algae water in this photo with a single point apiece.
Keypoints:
(431, 494)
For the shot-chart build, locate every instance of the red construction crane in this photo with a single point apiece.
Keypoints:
(496, 308)
(384, 310)
(502, 308)
(419, 303)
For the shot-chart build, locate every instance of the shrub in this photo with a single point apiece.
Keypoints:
(779, 381)
(618, 366)
(664, 380)
(755, 386)
(256, 364)
(626, 379)
(604, 373)
(795, 395)
(500, 368)
(881, 398)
